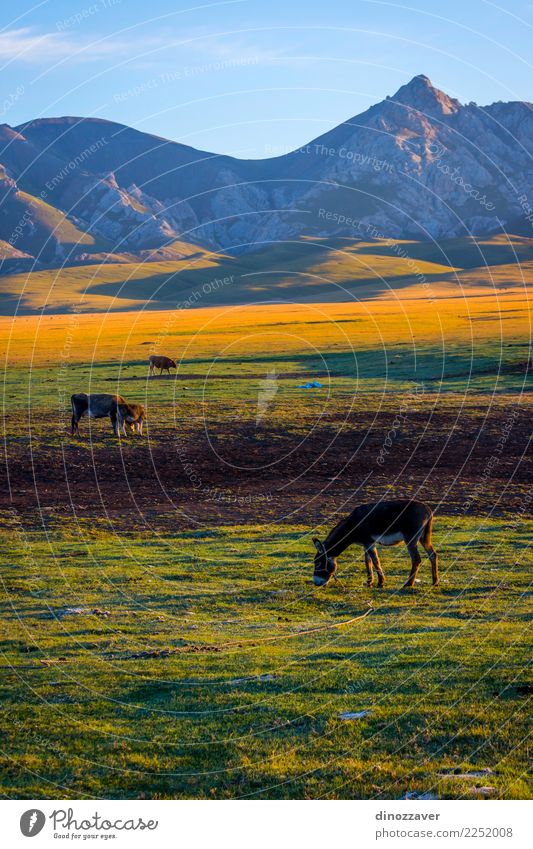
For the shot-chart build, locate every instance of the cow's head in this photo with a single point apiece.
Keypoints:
(325, 566)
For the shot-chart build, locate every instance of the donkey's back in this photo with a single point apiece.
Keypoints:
(384, 519)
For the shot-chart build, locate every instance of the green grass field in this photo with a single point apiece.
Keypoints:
(171, 665)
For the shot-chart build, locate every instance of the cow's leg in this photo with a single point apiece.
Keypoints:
(415, 562)
(377, 565)
(114, 422)
(77, 414)
(369, 572)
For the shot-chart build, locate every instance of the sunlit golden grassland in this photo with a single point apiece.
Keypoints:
(409, 320)
(466, 304)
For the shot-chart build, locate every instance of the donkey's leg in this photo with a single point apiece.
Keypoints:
(416, 560)
(369, 572)
(432, 554)
(375, 560)
(434, 560)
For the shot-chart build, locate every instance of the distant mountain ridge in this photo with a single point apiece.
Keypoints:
(418, 165)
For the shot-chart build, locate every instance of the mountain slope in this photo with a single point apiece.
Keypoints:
(418, 165)
(303, 269)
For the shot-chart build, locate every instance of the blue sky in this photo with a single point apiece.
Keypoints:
(252, 78)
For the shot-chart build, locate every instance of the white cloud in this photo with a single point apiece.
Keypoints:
(31, 47)
(27, 45)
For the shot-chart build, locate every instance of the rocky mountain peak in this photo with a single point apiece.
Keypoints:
(421, 94)
(416, 165)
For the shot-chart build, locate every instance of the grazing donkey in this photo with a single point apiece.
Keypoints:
(131, 415)
(97, 406)
(162, 363)
(383, 523)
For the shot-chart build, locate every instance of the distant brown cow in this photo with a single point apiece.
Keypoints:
(162, 363)
(131, 415)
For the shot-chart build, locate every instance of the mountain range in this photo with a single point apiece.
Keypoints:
(419, 165)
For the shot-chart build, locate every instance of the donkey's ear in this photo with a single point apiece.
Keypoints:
(318, 545)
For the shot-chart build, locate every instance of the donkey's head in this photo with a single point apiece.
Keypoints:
(325, 567)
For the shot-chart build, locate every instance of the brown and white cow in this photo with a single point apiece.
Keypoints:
(162, 363)
(94, 406)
